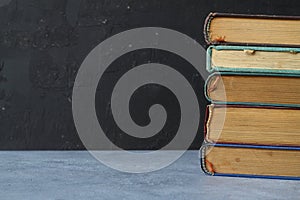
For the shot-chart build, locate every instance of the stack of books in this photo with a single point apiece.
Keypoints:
(252, 127)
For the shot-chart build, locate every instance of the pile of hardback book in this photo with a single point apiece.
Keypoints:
(252, 127)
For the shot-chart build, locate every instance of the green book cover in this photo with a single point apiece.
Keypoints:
(253, 59)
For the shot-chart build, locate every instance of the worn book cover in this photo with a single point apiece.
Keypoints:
(256, 89)
(251, 161)
(253, 59)
(275, 30)
(252, 125)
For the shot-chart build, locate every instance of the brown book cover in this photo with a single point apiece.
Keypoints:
(254, 89)
(251, 161)
(265, 30)
(252, 125)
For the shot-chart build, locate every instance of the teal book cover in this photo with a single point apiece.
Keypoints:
(253, 59)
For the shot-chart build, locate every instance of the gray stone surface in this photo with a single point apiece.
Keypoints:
(77, 175)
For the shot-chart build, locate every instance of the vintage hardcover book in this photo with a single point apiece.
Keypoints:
(275, 126)
(253, 59)
(253, 89)
(251, 161)
(221, 28)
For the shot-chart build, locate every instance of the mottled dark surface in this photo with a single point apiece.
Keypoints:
(43, 43)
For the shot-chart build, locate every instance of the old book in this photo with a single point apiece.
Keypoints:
(254, 89)
(252, 29)
(275, 126)
(251, 161)
(253, 59)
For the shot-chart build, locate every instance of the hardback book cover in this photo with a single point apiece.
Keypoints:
(255, 89)
(251, 161)
(250, 59)
(252, 125)
(244, 29)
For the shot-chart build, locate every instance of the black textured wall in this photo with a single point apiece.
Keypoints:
(43, 43)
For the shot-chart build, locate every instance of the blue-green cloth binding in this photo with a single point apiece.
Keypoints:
(248, 103)
(256, 48)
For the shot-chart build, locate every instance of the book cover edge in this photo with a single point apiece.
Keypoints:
(202, 160)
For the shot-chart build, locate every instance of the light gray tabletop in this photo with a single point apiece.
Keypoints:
(77, 175)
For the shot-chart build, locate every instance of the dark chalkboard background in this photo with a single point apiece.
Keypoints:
(43, 43)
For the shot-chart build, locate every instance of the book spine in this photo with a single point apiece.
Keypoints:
(208, 117)
(209, 66)
(208, 88)
(206, 120)
(206, 29)
(206, 167)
